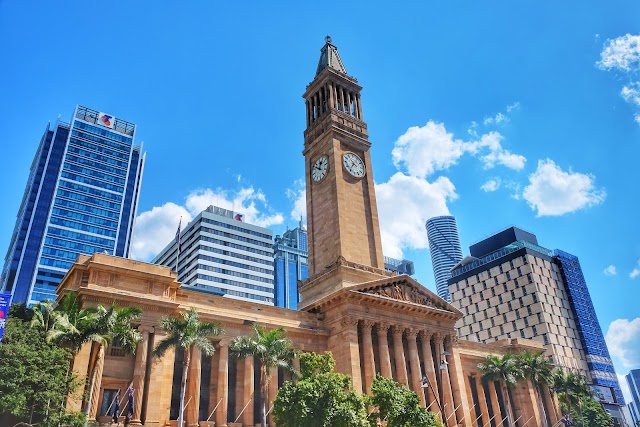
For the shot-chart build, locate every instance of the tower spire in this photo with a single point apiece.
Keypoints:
(329, 58)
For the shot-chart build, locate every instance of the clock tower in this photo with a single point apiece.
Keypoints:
(344, 235)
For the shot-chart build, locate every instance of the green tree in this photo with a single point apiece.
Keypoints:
(321, 398)
(186, 333)
(537, 369)
(104, 325)
(33, 377)
(571, 388)
(588, 413)
(398, 406)
(273, 350)
(505, 371)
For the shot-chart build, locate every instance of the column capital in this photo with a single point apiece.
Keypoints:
(349, 321)
(367, 325)
(438, 337)
(426, 335)
(398, 330)
(383, 327)
(412, 334)
(146, 328)
(224, 342)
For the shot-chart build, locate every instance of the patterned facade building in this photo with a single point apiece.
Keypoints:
(372, 320)
(81, 197)
(511, 287)
(633, 380)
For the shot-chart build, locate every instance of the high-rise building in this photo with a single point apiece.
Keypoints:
(81, 197)
(399, 266)
(444, 245)
(290, 265)
(633, 379)
(511, 287)
(222, 255)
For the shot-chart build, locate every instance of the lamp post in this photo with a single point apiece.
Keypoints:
(426, 383)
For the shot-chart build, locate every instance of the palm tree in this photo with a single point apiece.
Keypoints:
(102, 326)
(537, 369)
(186, 333)
(273, 351)
(571, 388)
(505, 371)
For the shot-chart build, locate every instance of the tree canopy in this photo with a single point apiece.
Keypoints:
(321, 398)
(33, 377)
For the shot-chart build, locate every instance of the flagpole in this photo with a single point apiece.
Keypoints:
(178, 246)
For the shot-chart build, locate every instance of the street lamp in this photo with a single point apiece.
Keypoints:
(427, 384)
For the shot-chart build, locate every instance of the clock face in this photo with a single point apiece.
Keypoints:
(353, 164)
(320, 168)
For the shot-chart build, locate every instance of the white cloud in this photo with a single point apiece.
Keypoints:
(156, 228)
(552, 191)
(623, 341)
(404, 205)
(622, 53)
(491, 185)
(631, 93)
(513, 107)
(298, 195)
(497, 119)
(635, 272)
(424, 150)
(610, 271)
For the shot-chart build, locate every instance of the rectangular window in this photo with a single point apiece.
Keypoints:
(108, 402)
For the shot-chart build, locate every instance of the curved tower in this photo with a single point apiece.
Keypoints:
(444, 244)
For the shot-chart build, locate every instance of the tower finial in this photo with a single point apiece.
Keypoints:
(328, 39)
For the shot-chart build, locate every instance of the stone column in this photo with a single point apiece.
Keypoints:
(330, 93)
(429, 370)
(416, 371)
(495, 405)
(447, 396)
(483, 409)
(192, 411)
(360, 108)
(139, 374)
(160, 383)
(81, 371)
(398, 352)
(248, 392)
(273, 392)
(349, 358)
(369, 361)
(383, 346)
(549, 405)
(223, 384)
(97, 385)
(456, 376)
(472, 410)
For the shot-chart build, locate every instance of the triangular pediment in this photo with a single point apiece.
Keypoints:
(406, 289)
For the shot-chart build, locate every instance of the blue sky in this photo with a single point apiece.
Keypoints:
(502, 114)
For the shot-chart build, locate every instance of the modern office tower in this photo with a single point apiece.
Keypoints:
(400, 266)
(511, 287)
(444, 245)
(222, 255)
(81, 197)
(290, 258)
(633, 379)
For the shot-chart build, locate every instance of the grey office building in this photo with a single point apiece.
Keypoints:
(222, 255)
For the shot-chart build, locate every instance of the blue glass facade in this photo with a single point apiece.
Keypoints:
(290, 265)
(81, 197)
(594, 345)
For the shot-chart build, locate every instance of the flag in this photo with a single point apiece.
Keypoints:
(566, 420)
(116, 408)
(178, 235)
(130, 412)
(239, 217)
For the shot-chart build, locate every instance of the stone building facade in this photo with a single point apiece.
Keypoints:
(372, 320)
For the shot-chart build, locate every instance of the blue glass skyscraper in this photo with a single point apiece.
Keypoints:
(290, 265)
(446, 252)
(81, 197)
